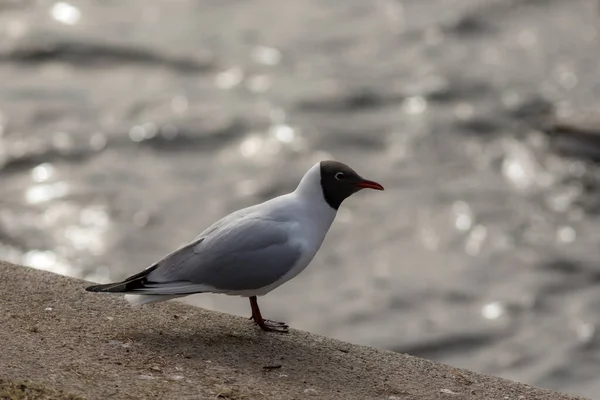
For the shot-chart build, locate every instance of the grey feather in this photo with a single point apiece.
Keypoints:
(232, 255)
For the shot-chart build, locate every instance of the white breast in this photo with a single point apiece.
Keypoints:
(309, 232)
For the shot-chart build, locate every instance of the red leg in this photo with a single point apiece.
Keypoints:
(265, 324)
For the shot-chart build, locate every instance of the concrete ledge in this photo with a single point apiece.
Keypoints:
(61, 342)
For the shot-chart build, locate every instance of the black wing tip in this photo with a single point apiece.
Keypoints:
(99, 288)
(133, 282)
(116, 287)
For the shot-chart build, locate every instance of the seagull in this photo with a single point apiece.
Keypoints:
(251, 251)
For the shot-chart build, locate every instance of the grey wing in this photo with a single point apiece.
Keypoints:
(233, 217)
(246, 255)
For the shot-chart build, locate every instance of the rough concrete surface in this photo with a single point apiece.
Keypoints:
(58, 341)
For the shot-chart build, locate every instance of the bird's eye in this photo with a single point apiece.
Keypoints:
(339, 176)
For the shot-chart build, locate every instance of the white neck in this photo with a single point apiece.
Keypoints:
(310, 184)
(311, 198)
(310, 189)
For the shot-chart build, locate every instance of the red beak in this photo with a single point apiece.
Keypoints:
(367, 184)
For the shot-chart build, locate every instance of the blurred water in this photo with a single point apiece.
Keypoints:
(127, 127)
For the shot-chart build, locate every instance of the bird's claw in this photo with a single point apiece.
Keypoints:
(272, 326)
(277, 323)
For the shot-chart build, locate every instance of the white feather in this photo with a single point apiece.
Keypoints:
(175, 288)
(140, 299)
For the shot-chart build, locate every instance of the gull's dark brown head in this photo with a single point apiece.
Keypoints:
(339, 182)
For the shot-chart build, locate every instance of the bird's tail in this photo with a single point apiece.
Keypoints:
(136, 289)
(141, 299)
(130, 284)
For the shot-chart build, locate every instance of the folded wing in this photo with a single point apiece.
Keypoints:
(247, 254)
